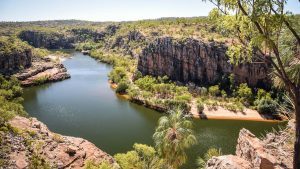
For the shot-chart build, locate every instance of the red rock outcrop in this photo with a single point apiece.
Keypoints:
(273, 152)
(195, 61)
(42, 70)
(57, 150)
(228, 162)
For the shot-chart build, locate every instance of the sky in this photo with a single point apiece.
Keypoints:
(107, 10)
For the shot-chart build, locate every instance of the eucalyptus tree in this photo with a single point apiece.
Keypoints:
(265, 28)
(173, 136)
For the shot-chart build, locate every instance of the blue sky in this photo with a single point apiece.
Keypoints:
(107, 10)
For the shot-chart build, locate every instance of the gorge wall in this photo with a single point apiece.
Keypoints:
(64, 39)
(196, 61)
(47, 40)
(14, 61)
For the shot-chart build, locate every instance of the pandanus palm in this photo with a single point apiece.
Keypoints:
(173, 136)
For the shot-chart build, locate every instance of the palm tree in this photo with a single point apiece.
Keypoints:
(173, 136)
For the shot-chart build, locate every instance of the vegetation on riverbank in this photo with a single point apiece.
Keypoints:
(162, 94)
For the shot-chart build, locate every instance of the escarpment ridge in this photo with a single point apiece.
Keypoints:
(204, 63)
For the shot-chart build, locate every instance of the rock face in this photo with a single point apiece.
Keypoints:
(195, 61)
(47, 40)
(81, 34)
(42, 70)
(274, 152)
(58, 151)
(228, 161)
(65, 40)
(15, 61)
(122, 42)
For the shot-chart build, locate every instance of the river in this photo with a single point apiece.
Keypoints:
(85, 106)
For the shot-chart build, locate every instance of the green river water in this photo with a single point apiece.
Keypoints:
(85, 106)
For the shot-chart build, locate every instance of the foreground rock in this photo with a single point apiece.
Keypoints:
(42, 70)
(56, 150)
(275, 151)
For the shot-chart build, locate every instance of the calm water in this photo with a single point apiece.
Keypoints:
(85, 106)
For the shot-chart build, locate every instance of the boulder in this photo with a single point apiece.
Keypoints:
(228, 162)
(57, 150)
(273, 152)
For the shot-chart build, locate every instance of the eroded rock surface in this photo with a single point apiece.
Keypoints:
(57, 150)
(275, 151)
(228, 162)
(195, 61)
(42, 70)
(15, 61)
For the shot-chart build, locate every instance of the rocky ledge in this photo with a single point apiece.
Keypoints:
(42, 70)
(274, 151)
(35, 139)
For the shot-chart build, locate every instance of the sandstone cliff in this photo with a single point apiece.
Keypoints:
(58, 151)
(47, 40)
(195, 61)
(275, 151)
(14, 55)
(42, 70)
(64, 39)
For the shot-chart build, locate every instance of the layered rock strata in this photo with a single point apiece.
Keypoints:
(195, 61)
(56, 150)
(15, 61)
(42, 70)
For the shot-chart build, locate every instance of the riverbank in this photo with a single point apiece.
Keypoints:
(219, 113)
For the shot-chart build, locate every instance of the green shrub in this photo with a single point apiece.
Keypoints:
(224, 94)
(200, 107)
(122, 87)
(174, 104)
(261, 94)
(137, 75)
(146, 83)
(117, 74)
(235, 107)
(185, 97)
(214, 90)
(40, 52)
(212, 105)
(245, 93)
(37, 162)
(203, 91)
(267, 106)
(10, 99)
